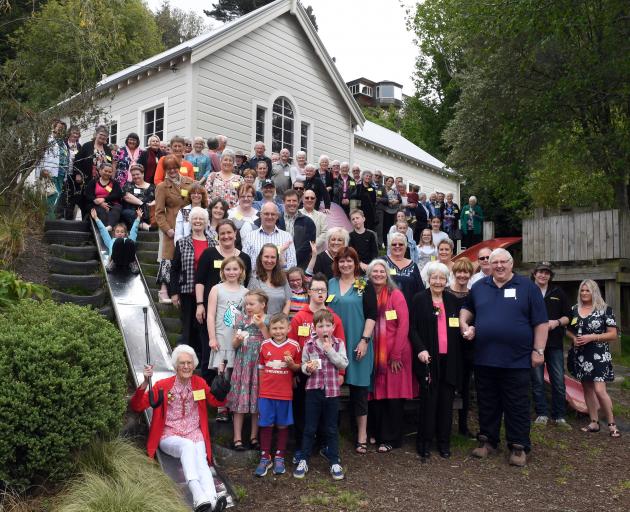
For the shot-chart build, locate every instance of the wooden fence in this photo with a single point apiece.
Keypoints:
(577, 236)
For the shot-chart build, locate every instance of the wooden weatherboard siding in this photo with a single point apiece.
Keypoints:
(598, 235)
(254, 69)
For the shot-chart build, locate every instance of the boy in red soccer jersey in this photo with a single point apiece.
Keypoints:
(279, 358)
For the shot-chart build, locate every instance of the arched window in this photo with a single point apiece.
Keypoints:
(282, 125)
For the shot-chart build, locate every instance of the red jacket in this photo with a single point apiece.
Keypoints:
(140, 402)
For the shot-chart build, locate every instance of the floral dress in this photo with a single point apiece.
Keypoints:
(592, 362)
(243, 396)
(224, 189)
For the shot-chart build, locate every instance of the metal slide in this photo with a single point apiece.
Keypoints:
(129, 294)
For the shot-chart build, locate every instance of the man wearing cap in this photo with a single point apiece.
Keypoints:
(268, 189)
(282, 172)
(559, 312)
(240, 161)
(510, 332)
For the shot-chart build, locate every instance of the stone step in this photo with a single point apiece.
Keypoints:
(79, 253)
(67, 225)
(64, 266)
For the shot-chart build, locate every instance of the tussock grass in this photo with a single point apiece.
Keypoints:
(118, 477)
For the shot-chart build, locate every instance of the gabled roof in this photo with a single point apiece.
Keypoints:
(388, 140)
(207, 43)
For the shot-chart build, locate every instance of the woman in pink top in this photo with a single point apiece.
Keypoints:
(437, 348)
(393, 376)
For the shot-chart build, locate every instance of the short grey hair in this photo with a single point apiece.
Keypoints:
(101, 128)
(447, 241)
(259, 143)
(338, 231)
(363, 173)
(183, 349)
(473, 198)
(500, 252)
(398, 236)
(309, 166)
(324, 157)
(199, 139)
(435, 267)
(154, 136)
(334, 162)
(391, 285)
(300, 153)
(228, 153)
(344, 164)
(198, 211)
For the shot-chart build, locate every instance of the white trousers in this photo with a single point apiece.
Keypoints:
(195, 465)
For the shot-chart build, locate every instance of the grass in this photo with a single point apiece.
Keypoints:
(325, 492)
(118, 477)
(240, 492)
(624, 358)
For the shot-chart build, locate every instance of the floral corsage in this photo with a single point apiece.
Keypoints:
(170, 396)
(359, 284)
(436, 310)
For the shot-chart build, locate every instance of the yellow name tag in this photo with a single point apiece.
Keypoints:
(304, 330)
(391, 315)
(108, 188)
(352, 183)
(184, 192)
(392, 271)
(370, 189)
(330, 298)
(183, 171)
(196, 169)
(236, 184)
(238, 216)
(453, 322)
(379, 192)
(217, 263)
(573, 321)
(199, 394)
(433, 258)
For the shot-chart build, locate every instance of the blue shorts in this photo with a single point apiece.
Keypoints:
(275, 412)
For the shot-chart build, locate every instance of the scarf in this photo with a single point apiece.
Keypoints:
(380, 349)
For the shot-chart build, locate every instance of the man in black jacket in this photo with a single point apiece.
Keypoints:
(299, 226)
(314, 183)
(259, 154)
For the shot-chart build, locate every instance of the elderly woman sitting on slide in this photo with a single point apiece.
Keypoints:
(180, 424)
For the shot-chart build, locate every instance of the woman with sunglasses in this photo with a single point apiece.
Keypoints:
(404, 271)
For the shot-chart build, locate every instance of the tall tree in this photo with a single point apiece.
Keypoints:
(14, 13)
(70, 44)
(177, 25)
(228, 10)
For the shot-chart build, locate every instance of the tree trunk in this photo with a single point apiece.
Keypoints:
(621, 194)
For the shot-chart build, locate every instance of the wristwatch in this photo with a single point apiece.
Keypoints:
(365, 338)
(540, 351)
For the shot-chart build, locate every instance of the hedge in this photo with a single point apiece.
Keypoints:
(63, 384)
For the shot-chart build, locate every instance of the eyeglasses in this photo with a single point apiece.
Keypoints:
(483, 258)
(501, 262)
(308, 198)
(185, 363)
(319, 291)
(397, 245)
(298, 188)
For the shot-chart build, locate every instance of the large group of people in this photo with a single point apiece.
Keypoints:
(289, 310)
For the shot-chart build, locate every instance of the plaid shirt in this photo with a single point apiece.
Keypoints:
(326, 377)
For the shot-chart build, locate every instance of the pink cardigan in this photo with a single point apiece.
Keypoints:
(402, 384)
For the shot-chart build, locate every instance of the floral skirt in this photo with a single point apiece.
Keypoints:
(592, 363)
(164, 272)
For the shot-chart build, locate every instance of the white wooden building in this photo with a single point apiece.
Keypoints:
(265, 76)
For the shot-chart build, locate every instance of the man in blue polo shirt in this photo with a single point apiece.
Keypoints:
(510, 333)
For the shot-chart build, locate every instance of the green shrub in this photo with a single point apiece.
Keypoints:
(14, 289)
(63, 383)
(118, 477)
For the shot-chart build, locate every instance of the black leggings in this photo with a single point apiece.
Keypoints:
(123, 252)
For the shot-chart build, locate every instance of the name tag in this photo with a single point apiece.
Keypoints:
(392, 271)
(183, 171)
(217, 263)
(136, 191)
(379, 192)
(238, 216)
(236, 184)
(286, 173)
(391, 315)
(318, 363)
(330, 298)
(453, 322)
(304, 330)
(509, 293)
(184, 192)
(196, 170)
(574, 321)
(370, 189)
(199, 394)
(108, 188)
(433, 258)
(352, 183)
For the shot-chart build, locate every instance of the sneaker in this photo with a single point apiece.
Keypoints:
(484, 449)
(220, 505)
(518, 456)
(301, 469)
(204, 506)
(278, 466)
(263, 466)
(134, 268)
(337, 472)
(297, 457)
(111, 266)
(541, 420)
(562, 423)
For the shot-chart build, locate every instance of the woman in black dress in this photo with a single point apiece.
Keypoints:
(591, 328)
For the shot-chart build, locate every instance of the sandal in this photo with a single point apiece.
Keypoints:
(254, 444)
(590, 428)
(360, 448)
(614, 431)
(238, 446)
(384, 448)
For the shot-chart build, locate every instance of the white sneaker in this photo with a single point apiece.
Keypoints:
(562, 423)
(301, 469)
(541, 420)
(337, 472)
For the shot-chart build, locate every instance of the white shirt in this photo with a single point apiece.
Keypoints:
(476, 277)
(252, 245)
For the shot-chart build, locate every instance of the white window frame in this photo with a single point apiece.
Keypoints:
(283, 117)
(354, 88)
(162, 102)
(108, 123)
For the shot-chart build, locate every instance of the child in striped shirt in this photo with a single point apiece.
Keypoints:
(299, 295)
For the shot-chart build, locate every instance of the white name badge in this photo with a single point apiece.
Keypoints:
(286, 173)
(509, 293)
(137, 191)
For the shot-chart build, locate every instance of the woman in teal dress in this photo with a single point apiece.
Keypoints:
(353, 299)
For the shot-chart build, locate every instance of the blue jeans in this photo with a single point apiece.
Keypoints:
(318, 408)
(554, 359)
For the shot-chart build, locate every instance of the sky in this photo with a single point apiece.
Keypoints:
(368, 38)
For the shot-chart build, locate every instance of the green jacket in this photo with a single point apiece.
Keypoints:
(477, 219)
